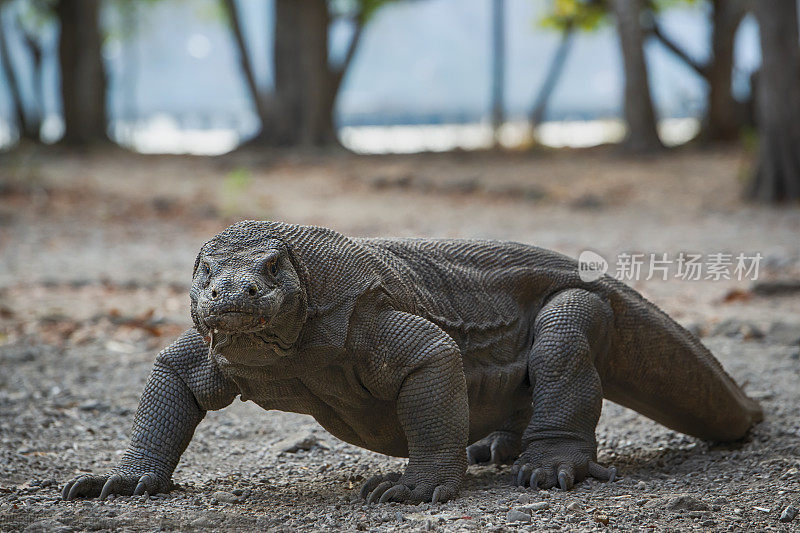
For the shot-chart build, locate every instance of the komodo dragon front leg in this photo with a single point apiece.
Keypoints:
(183, 385)
(559, 447)
(412, 362)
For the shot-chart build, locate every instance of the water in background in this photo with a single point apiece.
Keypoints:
(165, 135)
(420, 80)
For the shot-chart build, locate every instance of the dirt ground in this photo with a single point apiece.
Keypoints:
(96, 253)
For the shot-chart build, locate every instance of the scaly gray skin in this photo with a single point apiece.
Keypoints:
(419, 348)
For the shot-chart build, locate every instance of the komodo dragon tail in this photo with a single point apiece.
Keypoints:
(659, 369)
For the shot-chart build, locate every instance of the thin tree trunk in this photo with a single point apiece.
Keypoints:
(129, 108)
(244, 61)
(553, 74)
(642, 136)
(339, 73)
(37, 114)
(83, 77)
(723, 118)
(302, 114)
(13, 85)
(498, 66)
(677, 51)
(777, 171)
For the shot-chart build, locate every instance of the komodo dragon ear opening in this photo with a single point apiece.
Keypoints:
(302, 272)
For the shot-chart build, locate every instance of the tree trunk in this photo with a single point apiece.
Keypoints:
(37, 108)
(23, 125)
(83, 77)
(553, 74)
(498, 66)
(723, 117)
(642, 136)
(777, 171)
(302, 108)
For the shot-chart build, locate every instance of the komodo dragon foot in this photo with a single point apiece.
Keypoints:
(90, 486)
(550, 462)
(413, 486)
(497, 448)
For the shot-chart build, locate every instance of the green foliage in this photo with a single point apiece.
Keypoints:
(657, 6)
(359, 10)
(234, 187)
(589, 15)
(32, 15)
(237, 180)
(586, 15)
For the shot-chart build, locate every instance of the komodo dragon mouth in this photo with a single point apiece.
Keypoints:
(245, 348)
(235, 322)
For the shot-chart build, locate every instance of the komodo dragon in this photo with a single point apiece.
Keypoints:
(447, 352)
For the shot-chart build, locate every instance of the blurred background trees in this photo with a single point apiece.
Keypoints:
(777, 171)
(83, 75)
(299, 109)
(293, 57)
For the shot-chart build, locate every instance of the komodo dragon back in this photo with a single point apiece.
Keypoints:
(653, 364)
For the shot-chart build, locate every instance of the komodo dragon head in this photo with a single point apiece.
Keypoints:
(248, 300)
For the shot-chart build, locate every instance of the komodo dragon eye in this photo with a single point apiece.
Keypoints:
(272, 267)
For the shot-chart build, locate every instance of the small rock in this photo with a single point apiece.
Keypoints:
(296, 442)
(573, 506)
(708, 523)
(525, 498)
(783, 333)
(601, 518)
(695, 328)
(788, 514)
(92, 405)
(516, 515)
(144, 497)
(641, 485)
(587, 201)
(225, 497)
(44, 526)
(778, 287)
(684, 502)
(738, 329)
(538, 506)
(237, 492)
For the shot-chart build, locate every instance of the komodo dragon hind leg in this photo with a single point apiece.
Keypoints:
(559, 446)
